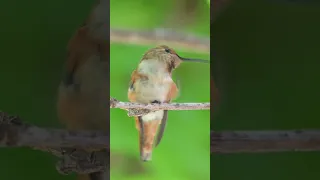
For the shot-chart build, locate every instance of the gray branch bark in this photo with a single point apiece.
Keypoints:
(265, 141)
(67, 145)
(14, 133)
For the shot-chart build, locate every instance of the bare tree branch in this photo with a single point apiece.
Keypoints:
(14, 133)
(265, 141)
(137, 109)
(161, 36)
(61, 143)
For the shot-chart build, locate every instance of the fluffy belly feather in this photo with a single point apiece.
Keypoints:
(148, 92)
(157, 115)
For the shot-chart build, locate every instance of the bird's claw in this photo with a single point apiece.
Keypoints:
(156, 102)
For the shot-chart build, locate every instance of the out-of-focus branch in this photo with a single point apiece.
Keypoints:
(64, 144)
(265, 141)
(161, 36)
(14, 133)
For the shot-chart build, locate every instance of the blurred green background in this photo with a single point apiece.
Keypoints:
(34, 35)
(270, 59)
(184, 151)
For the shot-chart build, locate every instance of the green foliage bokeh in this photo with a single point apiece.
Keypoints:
(270, 50)
(34, 35)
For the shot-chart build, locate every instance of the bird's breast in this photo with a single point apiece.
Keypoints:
(148, 91)
(157, 84)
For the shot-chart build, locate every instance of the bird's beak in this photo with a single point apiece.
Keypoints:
(194, 60)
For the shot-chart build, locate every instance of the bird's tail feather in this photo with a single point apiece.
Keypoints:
(147, 133)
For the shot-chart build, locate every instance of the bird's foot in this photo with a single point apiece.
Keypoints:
(156, 102)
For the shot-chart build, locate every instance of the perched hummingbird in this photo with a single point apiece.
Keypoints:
(83, 94)
(152, 82)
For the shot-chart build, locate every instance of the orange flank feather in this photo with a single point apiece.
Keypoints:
(173, 92)
(134, 77)
(131, 96)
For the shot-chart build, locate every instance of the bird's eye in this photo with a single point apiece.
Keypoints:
(167, 50)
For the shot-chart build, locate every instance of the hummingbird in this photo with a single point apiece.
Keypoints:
(151, 82)
(83, 93)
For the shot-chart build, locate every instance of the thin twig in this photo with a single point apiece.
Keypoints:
(265, 141)
(161, 36)
(137, 109)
